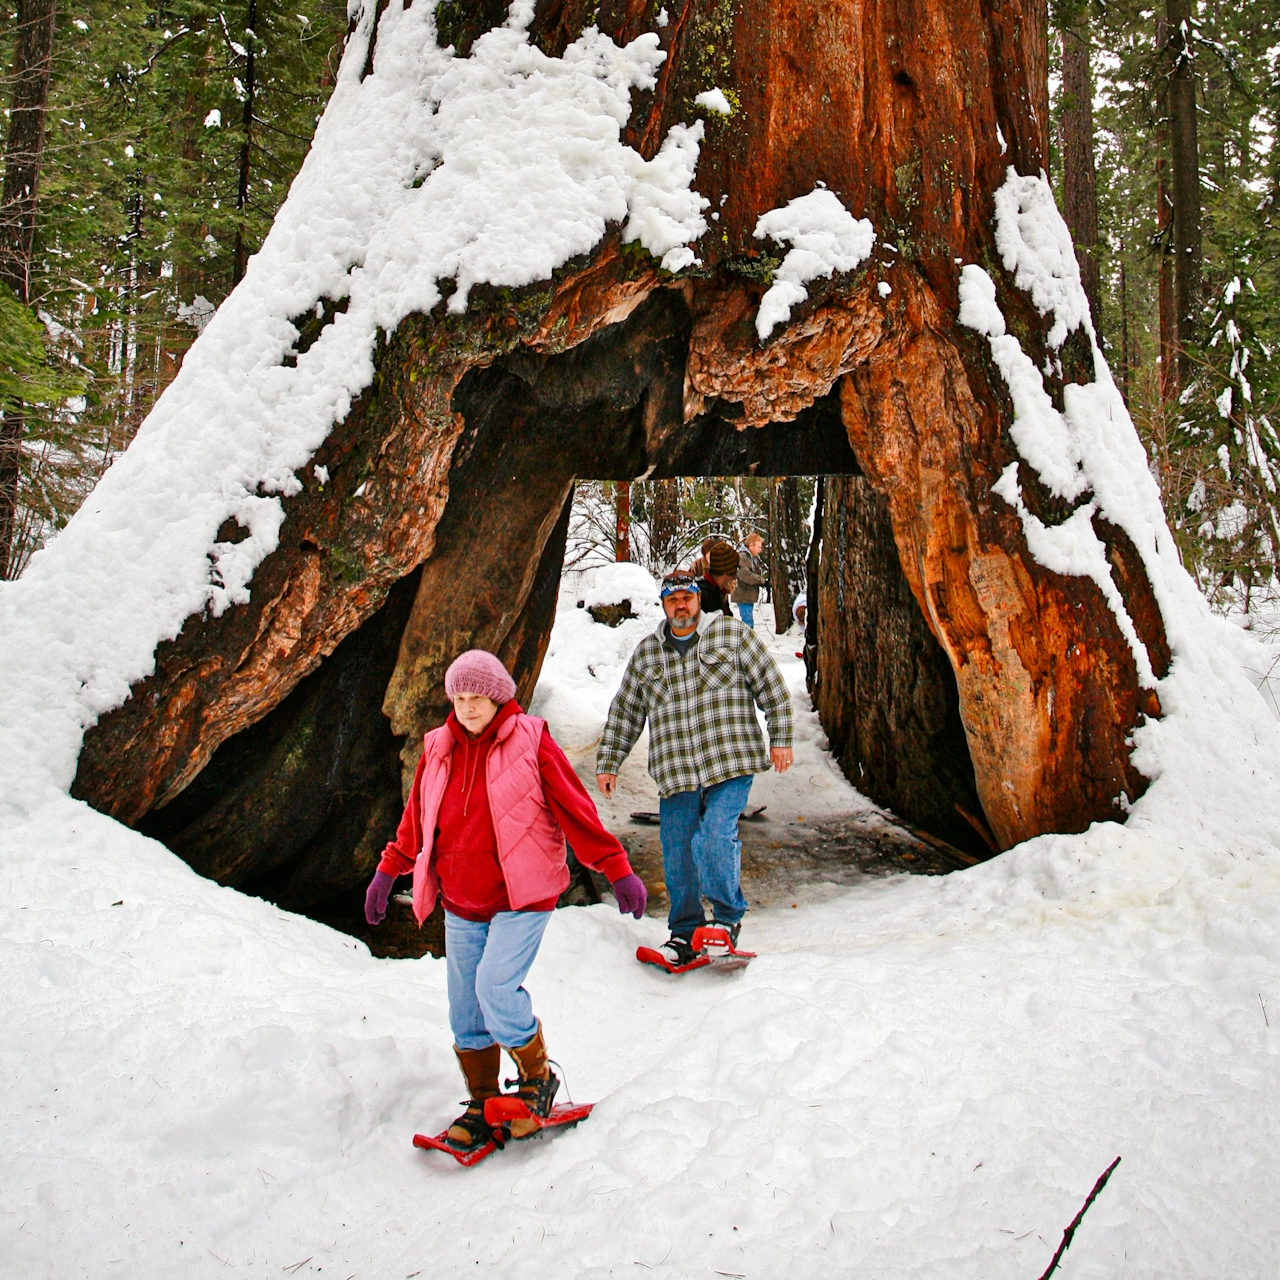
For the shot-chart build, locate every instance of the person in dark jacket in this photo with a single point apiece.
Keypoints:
(718, 582)
(751, 578)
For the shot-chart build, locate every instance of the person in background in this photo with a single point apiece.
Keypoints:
(801, 611)
(697, 680)
(700, 565)
(717, 583)
(484, 829)
(751, 577)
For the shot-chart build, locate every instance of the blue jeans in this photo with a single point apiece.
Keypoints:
(701, 853)
(747, 612)
(486, 963)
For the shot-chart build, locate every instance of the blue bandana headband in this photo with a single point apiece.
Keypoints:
(674, 582)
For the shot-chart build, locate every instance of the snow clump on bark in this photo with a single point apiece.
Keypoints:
(825, 238)
(1202, 759)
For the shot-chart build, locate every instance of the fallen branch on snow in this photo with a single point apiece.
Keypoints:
(1075, 1222)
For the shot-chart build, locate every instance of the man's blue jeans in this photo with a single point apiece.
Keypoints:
(701, 853)
(747, 612)
(486, 962)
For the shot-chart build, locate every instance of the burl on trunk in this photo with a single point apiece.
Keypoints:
(459, 460)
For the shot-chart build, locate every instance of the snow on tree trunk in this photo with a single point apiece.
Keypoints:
(559, 252)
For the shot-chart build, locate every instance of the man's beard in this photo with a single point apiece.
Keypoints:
(682, 619)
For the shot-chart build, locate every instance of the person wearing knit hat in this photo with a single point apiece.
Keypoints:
(479, 672)
(751, 577)
(718, 581)
(484, 832)
(699, 566)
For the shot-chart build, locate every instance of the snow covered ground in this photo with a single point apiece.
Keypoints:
(918, 1077)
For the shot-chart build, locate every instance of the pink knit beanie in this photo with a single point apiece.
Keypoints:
(478, 671)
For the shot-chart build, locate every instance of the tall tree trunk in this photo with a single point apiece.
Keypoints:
(1164, 241)
(1125, 363)
(241, 255)
(779, 571)
(24, 146)
(32, 59)
(1079, 177)
(885, 690)
(788, 550)
(665, 520)
(1183, 132)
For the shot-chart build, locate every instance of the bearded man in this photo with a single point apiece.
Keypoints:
(697, 680)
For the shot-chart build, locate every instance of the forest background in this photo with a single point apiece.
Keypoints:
(148, 147)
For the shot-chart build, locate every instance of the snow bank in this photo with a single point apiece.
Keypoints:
(498, 167)
(916, 1077)
(613, 583)
(825, 238)
(1213, 756)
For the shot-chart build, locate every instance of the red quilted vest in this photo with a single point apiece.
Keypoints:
(531, 848)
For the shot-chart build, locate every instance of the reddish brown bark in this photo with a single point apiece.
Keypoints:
(622, 535)
(1041, 701)
(461, 454)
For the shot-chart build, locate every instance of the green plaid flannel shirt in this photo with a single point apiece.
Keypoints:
(701, 708)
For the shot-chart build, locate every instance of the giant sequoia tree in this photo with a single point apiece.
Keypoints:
(426, 507)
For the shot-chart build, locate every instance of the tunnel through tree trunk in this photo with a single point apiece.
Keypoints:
(460, 455)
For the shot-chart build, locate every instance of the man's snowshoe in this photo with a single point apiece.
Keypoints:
(732, 929)
(713, 946)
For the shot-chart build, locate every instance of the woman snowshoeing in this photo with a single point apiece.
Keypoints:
(484, 829)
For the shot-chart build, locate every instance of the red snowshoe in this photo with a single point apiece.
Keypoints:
(463, 1155)
(711, 947)
(499, 1112)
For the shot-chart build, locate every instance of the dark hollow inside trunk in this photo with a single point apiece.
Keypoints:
(883, 687)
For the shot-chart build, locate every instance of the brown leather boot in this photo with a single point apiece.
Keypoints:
(538, 1083)
(480, 1071)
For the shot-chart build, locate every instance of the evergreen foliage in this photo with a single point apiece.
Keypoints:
(1213, 442)
(162, 149)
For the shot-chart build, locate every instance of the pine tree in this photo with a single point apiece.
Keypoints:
(158, 164)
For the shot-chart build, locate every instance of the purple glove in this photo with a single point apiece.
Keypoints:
(375, 900)
(631, 895)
